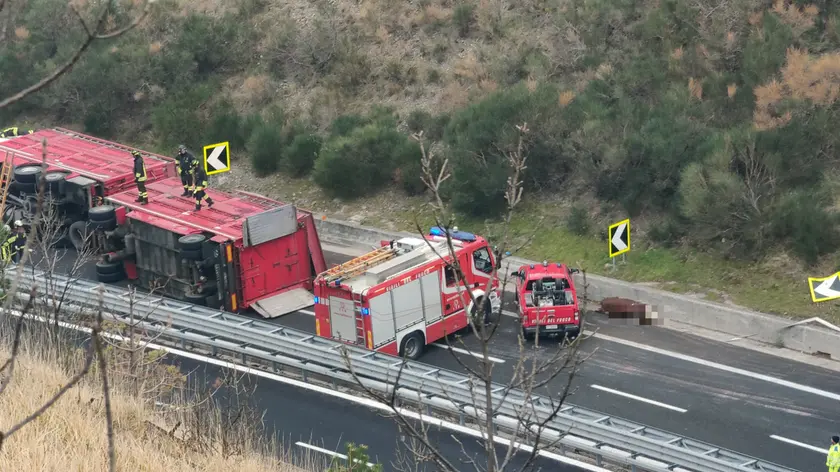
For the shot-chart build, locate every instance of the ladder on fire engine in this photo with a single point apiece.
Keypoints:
(360, 321)
(5, 179)
(359, 265)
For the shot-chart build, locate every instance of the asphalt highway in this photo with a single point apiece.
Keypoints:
(763, 418)
(766, 406)
(304, 420)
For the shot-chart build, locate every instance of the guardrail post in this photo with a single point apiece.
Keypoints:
(461, 419)
(598, 460)
(303, 375)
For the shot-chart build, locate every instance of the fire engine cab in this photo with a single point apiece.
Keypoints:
(547, 300)
(404, 295)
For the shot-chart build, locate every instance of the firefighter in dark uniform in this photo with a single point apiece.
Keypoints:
(186, 161)
(200, 176)
(13, 132)
(140, 178)
(12, 248)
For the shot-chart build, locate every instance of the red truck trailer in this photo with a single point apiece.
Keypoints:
(247, 251)
(401, 297)
(547, 300)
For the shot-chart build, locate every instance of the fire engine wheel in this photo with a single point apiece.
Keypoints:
(28, 173)
(195, 299)
(527, 336)
(102, 213)
(412, 346)
(191, 255)
(191, 242)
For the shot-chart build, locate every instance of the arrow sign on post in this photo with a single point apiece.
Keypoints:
(824, 289)
(217, 158)
(619, 235)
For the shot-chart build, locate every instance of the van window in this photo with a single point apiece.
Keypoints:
(449, 276)
(482, 261)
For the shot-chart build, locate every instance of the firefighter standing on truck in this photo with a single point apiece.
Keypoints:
(200, 176)
(140, 178)
(833, 459)
(13, 132)
(186, 162)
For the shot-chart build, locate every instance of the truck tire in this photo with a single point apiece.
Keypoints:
(191, 255)
(527, 336)
(413, 345)
(102, 213)
(110, 278)
(108, 225)
(53, 181)
(78, 234)
(191, 242)
(28, 173)
(195, 299)
(106, 268)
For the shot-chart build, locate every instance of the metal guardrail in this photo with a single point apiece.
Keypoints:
(617, 440)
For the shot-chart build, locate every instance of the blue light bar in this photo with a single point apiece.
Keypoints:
(316, 300)
(365, 311)
(458, 235)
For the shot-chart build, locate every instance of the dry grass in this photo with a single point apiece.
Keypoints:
(71, 435)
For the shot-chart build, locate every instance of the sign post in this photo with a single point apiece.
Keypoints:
(619, 235)
(824, 289)
(217, 158)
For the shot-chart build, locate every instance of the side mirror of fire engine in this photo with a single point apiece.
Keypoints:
(514, 274)
(574, 271)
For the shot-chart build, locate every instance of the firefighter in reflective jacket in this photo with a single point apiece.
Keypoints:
(12, 132)
(12, 248)
(186, 162)
(140, 178)
(200, 184)
(833, 459)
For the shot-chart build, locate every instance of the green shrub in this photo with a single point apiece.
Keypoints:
(225, 125)
(300, 155)
(361, 162)
(802, 220)
(578, 221)
(266, 148)
(463, 17)
(345, 124)
(176, 120)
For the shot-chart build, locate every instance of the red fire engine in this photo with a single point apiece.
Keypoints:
(247, 251)
(547, 300)
(403, 296)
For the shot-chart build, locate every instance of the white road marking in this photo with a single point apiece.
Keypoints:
(464, 351)
(641, 399)
(822, 450)
(725, 368)
(308, 312)
(340, 395)
(325, 451)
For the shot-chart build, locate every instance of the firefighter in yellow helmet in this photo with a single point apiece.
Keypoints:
(13, 132)
(833, 459)
(12, 248)
(140, 178)
(200, 181)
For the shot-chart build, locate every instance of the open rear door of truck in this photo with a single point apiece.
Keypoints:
(284, 303)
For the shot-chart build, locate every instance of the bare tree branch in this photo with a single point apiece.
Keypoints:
(93, 35)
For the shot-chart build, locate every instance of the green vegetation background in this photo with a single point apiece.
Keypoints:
(711, 125)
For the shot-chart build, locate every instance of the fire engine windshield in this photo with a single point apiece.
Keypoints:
(548, 291)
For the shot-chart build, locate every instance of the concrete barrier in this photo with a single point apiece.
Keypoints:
(738, 322)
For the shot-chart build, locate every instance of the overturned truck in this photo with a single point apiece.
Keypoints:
(247, 251)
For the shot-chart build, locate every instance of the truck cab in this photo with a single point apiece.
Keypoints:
(547, 300)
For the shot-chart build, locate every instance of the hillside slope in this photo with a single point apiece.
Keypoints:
(709, 123)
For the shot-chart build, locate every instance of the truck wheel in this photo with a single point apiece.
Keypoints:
(195, 299)
(192, 255)
(191, 242)
(53, 181)
(110, 278)
(413, 345)
(105, 268)
(106, 225)
(102, 213)
(527, 336)
(28, 173)
(78, 234)
(213, 302)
